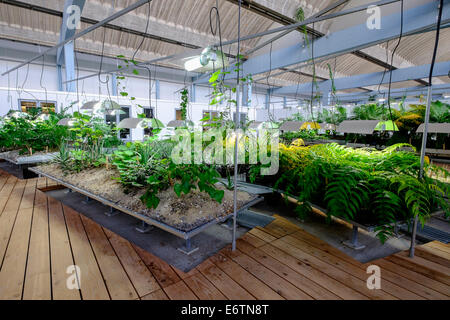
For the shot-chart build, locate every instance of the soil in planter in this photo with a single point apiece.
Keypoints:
(15, 154)
(184, 213)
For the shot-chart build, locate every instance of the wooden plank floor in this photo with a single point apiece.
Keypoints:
(40, 239)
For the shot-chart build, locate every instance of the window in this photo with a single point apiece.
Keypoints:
(148, 114)
(28, 106)
(178, 114)
(48, 107)
(211, 114)
(124, 133)
(114, 119)
(242, 117)
(35, 106)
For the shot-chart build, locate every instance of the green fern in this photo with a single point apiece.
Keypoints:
(380, 188)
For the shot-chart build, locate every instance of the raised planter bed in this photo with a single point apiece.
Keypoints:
(18, 165)
(183, 217)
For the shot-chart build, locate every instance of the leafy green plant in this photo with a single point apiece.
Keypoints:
(288, 137)
(30, 134)
(371, 111)
(136, 162)
(88, 144)
(184, 103)
(64, 158)
(378, 188)
(147, 165)
(223, 93)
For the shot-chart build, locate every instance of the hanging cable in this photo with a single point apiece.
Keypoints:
(217, 28)
(149, 73)
(22, 88)
(17, 84)
(9, 94)
(313, 80)
(392, 59)
(137, 50)
(146, 30)
(78, 74)
(436, 43)
(107, 78)
(42, 75)
(268, 84)
(385, 69)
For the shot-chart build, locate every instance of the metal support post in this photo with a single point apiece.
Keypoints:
(111, 212)
(188, 249)
(86, 200)
(143, 227)
(422, 163)
(353, 243)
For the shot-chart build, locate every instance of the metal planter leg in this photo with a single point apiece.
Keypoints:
(143, 227)
(353, 243)
(87, 200)
(228, 224)
(397, 233)
(111, 212)
(187, 248)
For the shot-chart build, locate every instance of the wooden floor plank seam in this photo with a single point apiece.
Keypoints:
(3, 252)
(95, 257)
(71, 249)
(37, 282)
(391, 288)
(272, 279)
(70, 245)
(340, 255)
(83, 256)
(123, 267)
(116, 279)
(21, 277)
(134, 265)
(49, 248)
(28, 246)
(297, 279)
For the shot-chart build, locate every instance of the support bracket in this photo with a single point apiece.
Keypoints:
(143, 227)
(353, 243)
(111, 212)
(187, 248)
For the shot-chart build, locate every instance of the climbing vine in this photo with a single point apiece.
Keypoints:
(184, 103)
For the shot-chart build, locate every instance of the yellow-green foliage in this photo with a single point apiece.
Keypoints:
(365, 185)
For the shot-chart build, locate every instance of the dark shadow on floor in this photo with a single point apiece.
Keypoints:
(335, 233)
(158, 242)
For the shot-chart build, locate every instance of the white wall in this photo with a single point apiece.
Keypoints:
(26, 84)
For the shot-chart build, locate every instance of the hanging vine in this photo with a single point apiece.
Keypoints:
(184, 103)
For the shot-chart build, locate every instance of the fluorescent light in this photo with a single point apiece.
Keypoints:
(193, 64)
(382, 100)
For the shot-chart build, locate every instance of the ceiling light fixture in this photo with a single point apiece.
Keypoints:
(210, 59)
